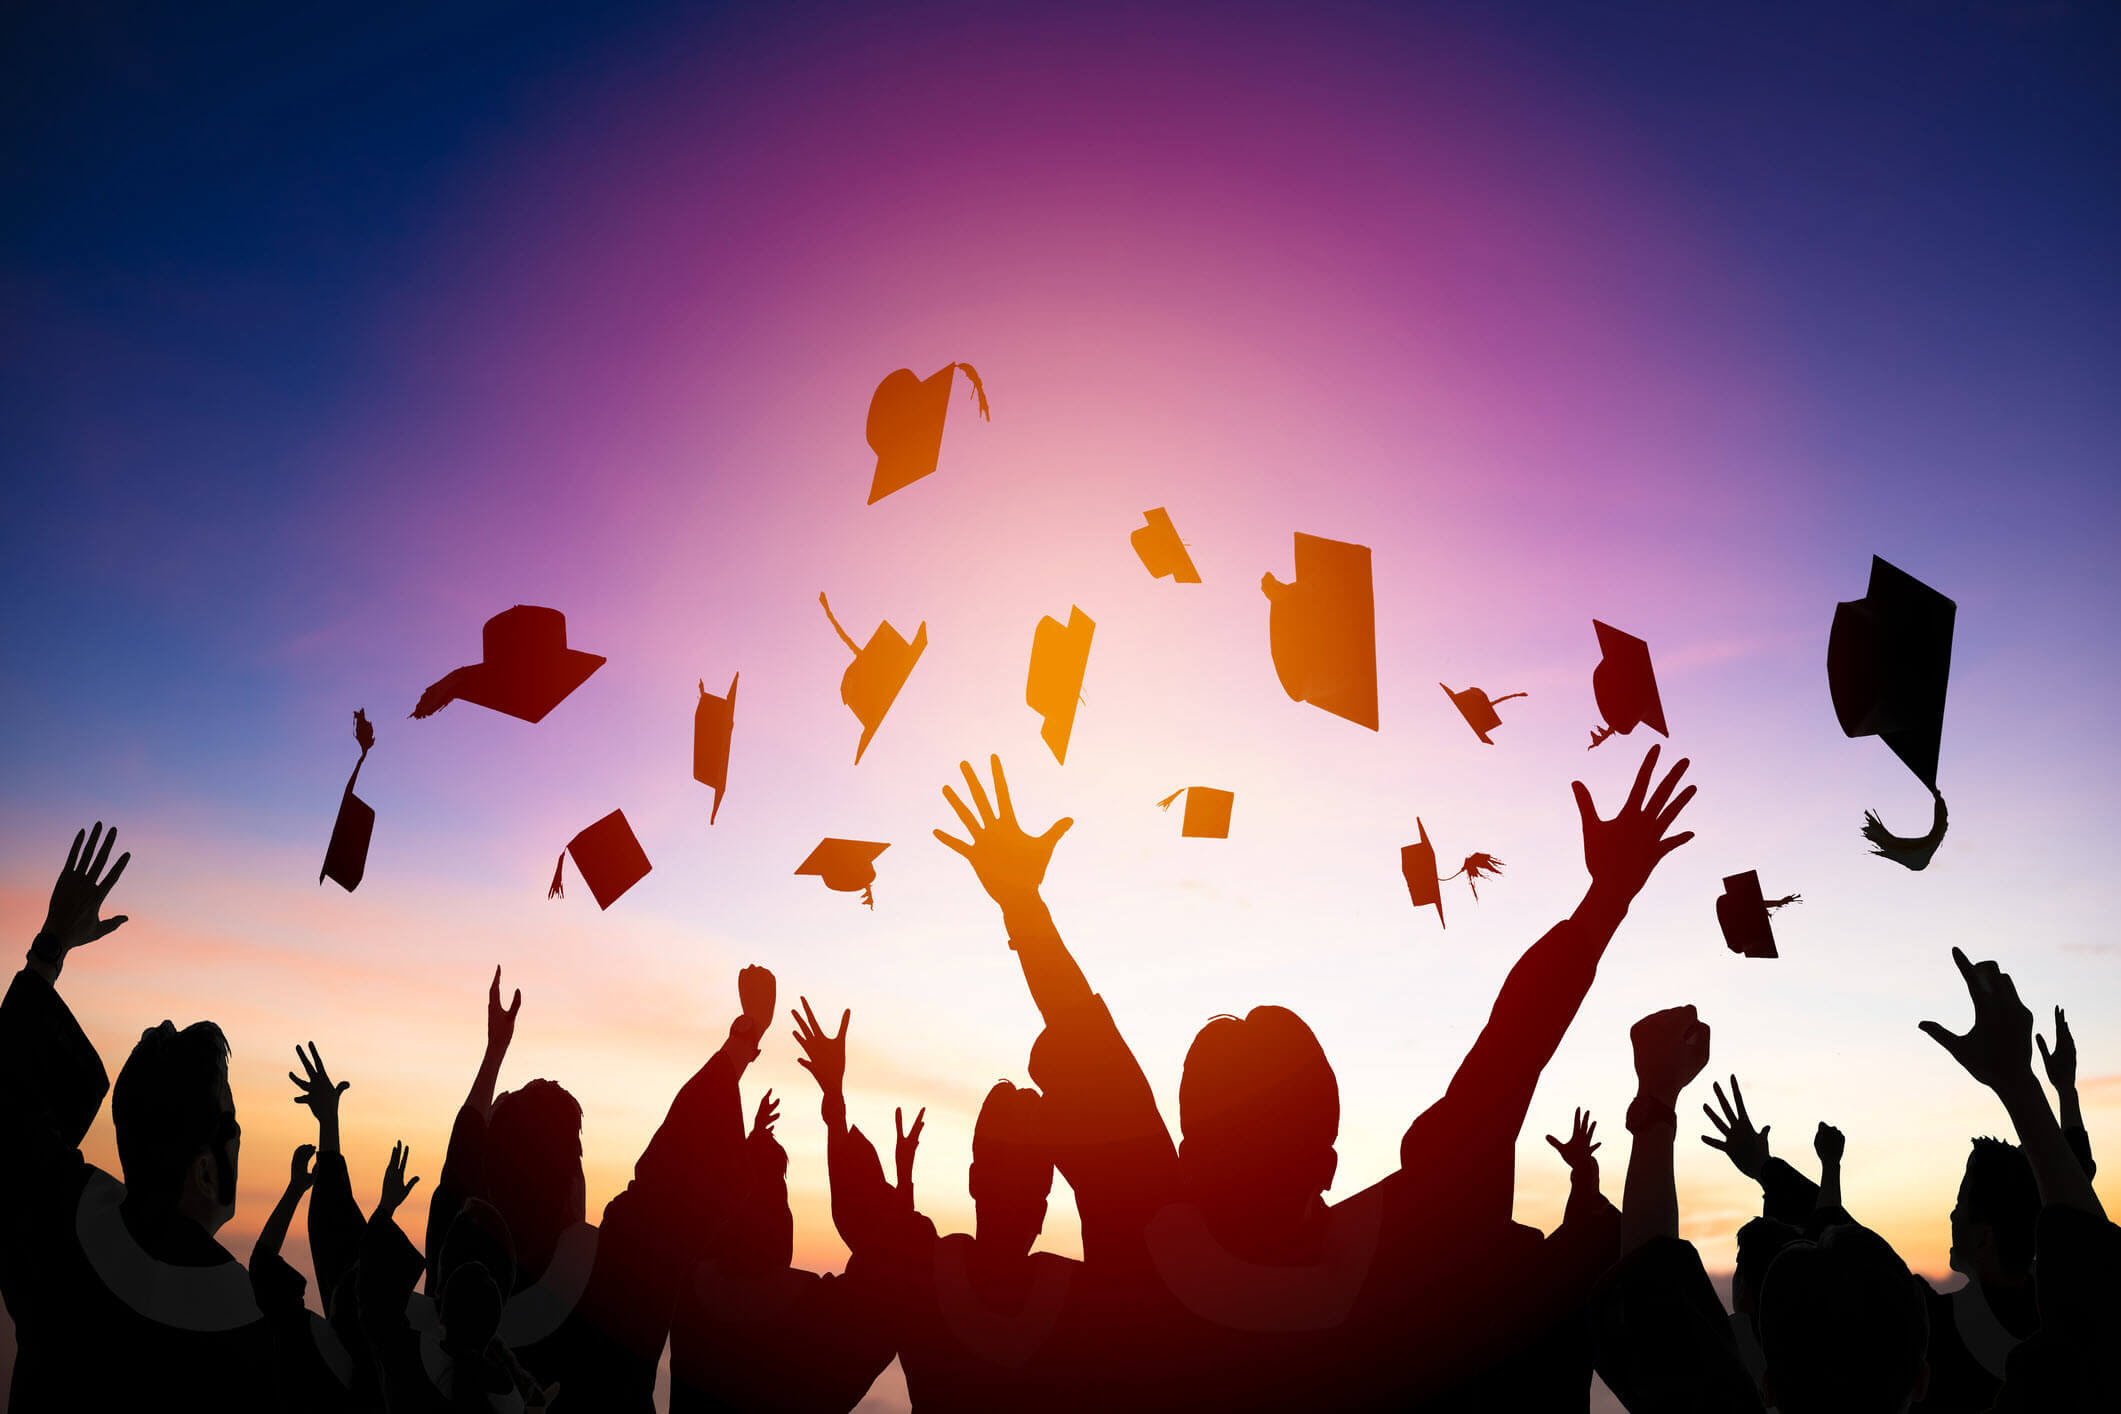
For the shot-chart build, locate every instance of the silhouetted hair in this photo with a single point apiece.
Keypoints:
(761, 1237)
(166, 1107)
(534, 1168)
(478, 1234)
(1010, 1135)
(1262, 1080)
(1999, 1189)
(1759, 1243)
(1842, 1325)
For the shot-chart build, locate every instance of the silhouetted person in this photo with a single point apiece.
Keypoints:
(121, 1297)
(313, 1371)
(335, 1230)
(1759, 1241)
(980, 1320)
(1228, 1280)
(748, 1330)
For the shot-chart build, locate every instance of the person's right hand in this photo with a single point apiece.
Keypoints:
(1745, 1146)
(2061, 1062)
(825, 1057)
(395, 1186)
(1580, 1154)
(909, 1143)
(500, 1020)
(1997, 1049)
(318, 1091)
(755, 991)
(1829, 1143)
(1621, 852)
(1009, 862)
(299, 1176)
(71, 921)
(1671, 1047)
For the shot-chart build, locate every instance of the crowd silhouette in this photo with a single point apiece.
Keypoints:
(1214, 1274)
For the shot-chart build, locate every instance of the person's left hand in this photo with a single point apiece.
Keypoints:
(1621, 852)
(769, 1111)
(2061, 1062)
(318, 1091)
(1997, 1049)
(1579, 1153)
(825, 1057)
(1009, 861)
(396, 1188)
(299, 1176)
(1671, 1047)
(1828, 1143)
(909, 1142)
(72, 918)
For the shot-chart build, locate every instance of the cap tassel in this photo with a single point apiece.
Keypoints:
(1598, 734)
(1774, 903)
(868, 899)
(1909, 853)
(556, 891)
(979, 389)
(852, 646)
(1165, 803)
(1507, 696)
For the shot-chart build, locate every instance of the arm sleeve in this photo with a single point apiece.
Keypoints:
(2070, 1362)
(1664, 1344)
(335, 1223)
(51, 1085)
(2080, 1144)
(463, 1177)
(1787, 1195)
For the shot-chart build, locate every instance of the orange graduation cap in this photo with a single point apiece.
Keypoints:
(906, 424)
(1322, 629)
(845, 865)
(1059, 655)
(1625, 685)
(880, 668)
(346, 857)
(1417, 864)
(528, 669)
(1888, 661)
(712, 722)
(1162, 552)
(1207, 812)
(1743, 915)
(1478, 709)
(610, 858)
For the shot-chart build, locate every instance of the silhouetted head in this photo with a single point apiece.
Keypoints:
(1998, 1207)
(1843, 1327)
(1759, 1243)
(1012, 1168)
(176, 1122)
(478, 1234)
(534, 1170)
(1259, 1109)
(762, 1234)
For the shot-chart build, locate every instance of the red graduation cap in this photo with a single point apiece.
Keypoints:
(346, 857)
(712, 722)
(528, 669)
(1625, 685)
(880, 668)
(1060, 654)
(610, 858)
(1478, 709)
(905, 430)
(1417, 864)
(1322, 629)
(1743, 915)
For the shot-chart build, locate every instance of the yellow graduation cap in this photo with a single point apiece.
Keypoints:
(1207, 812)
(880, 668)
(845, 865)
(1162, 552)
(1059, 655)
(1322, 629)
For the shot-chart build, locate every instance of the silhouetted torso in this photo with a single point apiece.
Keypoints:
(787, 1342)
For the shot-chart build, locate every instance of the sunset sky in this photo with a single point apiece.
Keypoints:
(334, 331)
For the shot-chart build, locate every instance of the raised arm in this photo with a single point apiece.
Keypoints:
(1011, 864)
(1829, 1143)
(500, 1031)
(825, 1057)
(909, 1144)
(2061, 1067)
(1671, 1047)
(274, 1233)
(1785, 1194)
(463, 1163)
(335, 1220)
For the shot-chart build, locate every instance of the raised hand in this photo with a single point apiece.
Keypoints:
(2061, 1062)
(755, 992)
(825, 1057)
(1579, 1153)
(73, 918)
(1997, 1049)
(1010, 863)
(500, 1020)
(395, 1186)
(299, 1176)
(909, 1142)
(769, 1112)
(1621, 852)
(1671, 1047)
(1745, 1146)
(1828, 1143)
(320, 1095)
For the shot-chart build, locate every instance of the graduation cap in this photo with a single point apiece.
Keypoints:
(346, 857)
(1625, 685)
(880, 668)
(1162, 552)
(1322, 629)
(610, 858)
(1743, 915)
(1888, 661)
(906, 424)
(1207, 812)
(1478, 709)
(1059, 654)
(845, 865)
(712, 722)
(1417, 864)
(527, 671)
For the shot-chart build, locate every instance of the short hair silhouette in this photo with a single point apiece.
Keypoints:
(1259, 1108)
(762, 1232)
(534, 1169)
(1842, 1326)
(1998, 1191)
(1012, 1166)
(478, 1234)
(1760, 1242)
(166, 1107)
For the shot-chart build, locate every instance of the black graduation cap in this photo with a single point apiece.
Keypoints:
(712, 722)
(1417, 864)
(1888, 661)
(527, 671)
(1625, 685)
(845, 865)
(1322, 629)
(1162, 552)
(610, 858)
(1478, 709)
(1207, 812)
(880, 668)
(346, 857)
(906, 424)
(1743, 915)
(1059, 655)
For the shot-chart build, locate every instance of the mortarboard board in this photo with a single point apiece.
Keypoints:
(1417, 864)
(1743, 915)
(1625, 685)
(845, 865)
(1322, 629)
(1162, 552)
(1207, 812)
(1059, 654)
(906, 424)
(346, 857)
(1888, 661)
(880, 668)
(610, 858)
(712, 722)
(528, 669)
(1478, 709)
